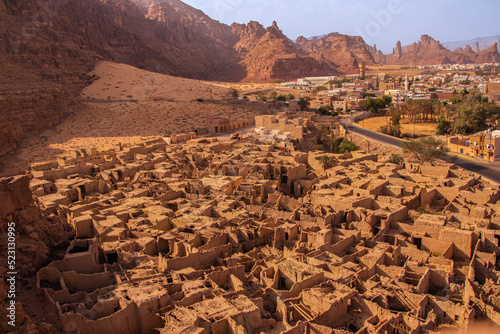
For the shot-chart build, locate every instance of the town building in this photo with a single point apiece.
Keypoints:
(484, 145)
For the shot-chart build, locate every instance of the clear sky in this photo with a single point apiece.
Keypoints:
(381, 22)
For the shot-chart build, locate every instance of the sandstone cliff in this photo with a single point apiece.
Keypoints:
(268, 54)
(36, 233)
(341, 51)
(429, 51)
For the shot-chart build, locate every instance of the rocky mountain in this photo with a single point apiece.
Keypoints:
(429, 51)
(268, 54)
(477, 44)
(342, 52)
(488, 55)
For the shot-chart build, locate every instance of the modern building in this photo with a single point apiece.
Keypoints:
(484, 145)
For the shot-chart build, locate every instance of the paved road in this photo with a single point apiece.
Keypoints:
(488, 171)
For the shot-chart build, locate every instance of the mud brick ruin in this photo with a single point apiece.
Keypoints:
(246, 237)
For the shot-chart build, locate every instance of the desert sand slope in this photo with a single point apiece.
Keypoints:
(124, 105)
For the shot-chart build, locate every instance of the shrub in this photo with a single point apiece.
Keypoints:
(396, 159)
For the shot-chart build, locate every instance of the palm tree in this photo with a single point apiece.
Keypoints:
(325, 161)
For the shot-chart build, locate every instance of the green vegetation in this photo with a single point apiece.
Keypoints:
(303, 103)
(344, 146)
(334, 144)
(274, 96)
(326, 161)
(319, 89)
(443, 126)
(473, 112)
(339, 82)
(487, 72)
(324, 110)
(420, 111)
(235, 93)
(282, 97)
(375, 105)
(426, 149)
(394, 128)
(328, 110)
(396, 159)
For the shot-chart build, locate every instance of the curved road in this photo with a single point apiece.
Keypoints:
(486, 170)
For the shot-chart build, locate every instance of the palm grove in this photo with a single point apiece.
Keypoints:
(466, 113)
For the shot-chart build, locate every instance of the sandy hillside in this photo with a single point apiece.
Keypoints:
(124, 82)
(393, 70)
(428, 129)
(125, 105)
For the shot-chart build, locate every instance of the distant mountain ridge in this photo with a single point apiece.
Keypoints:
(429, 51)
(483, 43)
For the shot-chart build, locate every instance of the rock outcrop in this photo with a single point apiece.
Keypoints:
(14, 195)
(488, 55)
(339, 51)
(36, 232)
(429, 51)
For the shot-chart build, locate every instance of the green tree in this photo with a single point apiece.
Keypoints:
(348, 146)
(303, 103)
(281, 97)
(426, 149)
(395, 125)
(273, 95)
(235, 93)
(396, 159)
(493, 111)
(443, 126)
(319, 89)
(290, 97)
(323, 110)
(473, 113)
(326, 161)
(374, 105)
(342, 145)
(387, 100)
